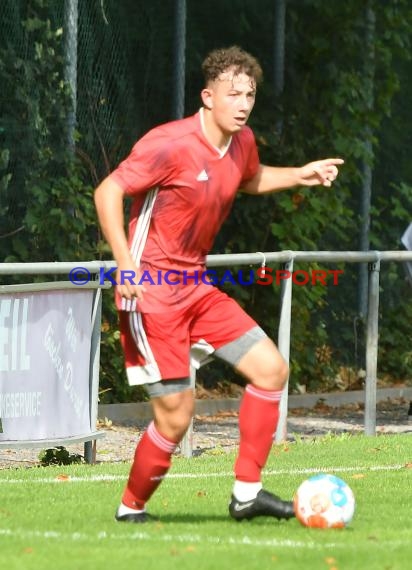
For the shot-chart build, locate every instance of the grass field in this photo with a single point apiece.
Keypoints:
(62, 517)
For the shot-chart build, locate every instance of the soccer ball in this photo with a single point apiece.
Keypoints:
(324, 501)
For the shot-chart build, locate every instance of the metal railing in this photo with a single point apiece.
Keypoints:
(286, 259)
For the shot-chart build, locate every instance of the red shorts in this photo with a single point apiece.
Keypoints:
(159, 346)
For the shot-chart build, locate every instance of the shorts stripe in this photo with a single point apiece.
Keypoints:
(233, 351)
(166, 387)
(140, 339)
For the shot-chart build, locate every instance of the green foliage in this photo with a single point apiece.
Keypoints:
(343, 96)
(46, 205)
(58, 456)
(395, 291)
(330, 107)
(392, 210)
(49, 214)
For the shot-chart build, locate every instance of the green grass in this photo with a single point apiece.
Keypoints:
(47, 523)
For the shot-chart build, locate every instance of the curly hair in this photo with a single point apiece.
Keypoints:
(220, 60)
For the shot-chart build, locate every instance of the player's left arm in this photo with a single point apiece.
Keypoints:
(274, 179)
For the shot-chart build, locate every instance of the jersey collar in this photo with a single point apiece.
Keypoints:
(221, 152)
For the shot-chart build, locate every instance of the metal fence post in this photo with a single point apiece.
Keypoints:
(372, 348)
(284, 347)
(179, 63)
(71, 9)
(90, 446)
(186, 445)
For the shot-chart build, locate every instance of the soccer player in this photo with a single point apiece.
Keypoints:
(183, 177)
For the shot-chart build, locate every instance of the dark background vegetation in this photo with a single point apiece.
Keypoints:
(337, 100)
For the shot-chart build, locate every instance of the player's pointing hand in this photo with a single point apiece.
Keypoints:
(322, 172)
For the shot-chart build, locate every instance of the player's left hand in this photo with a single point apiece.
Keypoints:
(319, 172)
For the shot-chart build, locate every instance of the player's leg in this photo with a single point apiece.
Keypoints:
(267, 373)
(166, 344)
(240, 342)
(172, 415)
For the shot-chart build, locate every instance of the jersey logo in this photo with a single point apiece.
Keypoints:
(202, 176)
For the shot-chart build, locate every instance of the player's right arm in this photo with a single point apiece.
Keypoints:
(108, 198)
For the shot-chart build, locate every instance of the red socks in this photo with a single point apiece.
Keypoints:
(258, 418)
(152, 461)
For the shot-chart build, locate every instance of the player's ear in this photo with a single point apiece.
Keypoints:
(207, 99)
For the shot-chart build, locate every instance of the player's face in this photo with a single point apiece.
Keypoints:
(230, 98)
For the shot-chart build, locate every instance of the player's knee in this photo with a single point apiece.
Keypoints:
(283, 372)
(179, 420)
(273, 376)
(279, 374)
(173, 415)
(173, 426)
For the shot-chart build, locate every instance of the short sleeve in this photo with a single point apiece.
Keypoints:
(152, 162)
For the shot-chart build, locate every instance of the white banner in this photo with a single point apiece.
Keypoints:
(44, 364)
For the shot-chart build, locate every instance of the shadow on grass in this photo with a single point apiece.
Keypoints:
(191, 518)
(200, 519)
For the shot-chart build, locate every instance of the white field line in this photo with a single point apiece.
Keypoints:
(176, 476)
(186, 539)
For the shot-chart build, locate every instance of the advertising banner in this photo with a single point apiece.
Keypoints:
(44, 364)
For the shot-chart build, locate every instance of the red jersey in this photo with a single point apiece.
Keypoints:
(183, 189)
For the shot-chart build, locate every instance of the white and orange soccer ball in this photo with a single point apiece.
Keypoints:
(324, 501)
